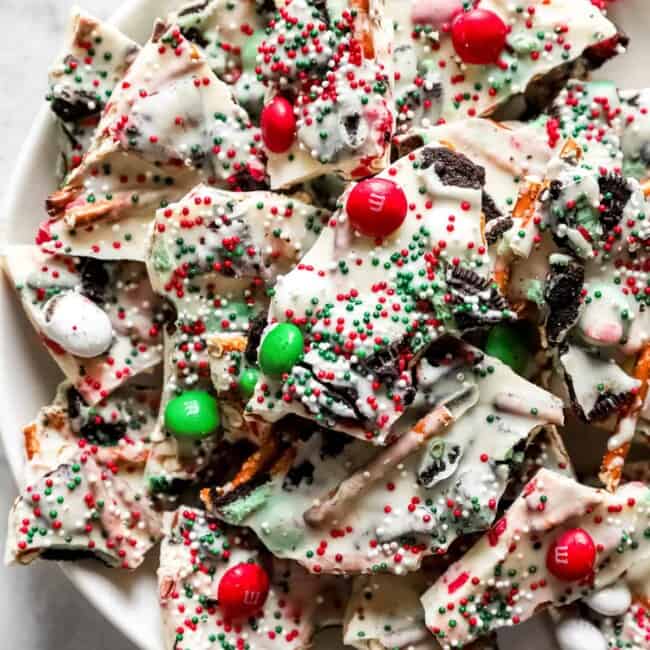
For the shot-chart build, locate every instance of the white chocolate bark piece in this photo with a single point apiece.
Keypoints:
(196, 553)
(422, 504)
(201, 313)
(96, 55)
(119, 290)
(589, 204)
(369, 307)
(341, 80)
(232, 235)
(601, 217)
(212, 254)
(544, 47)
(117, 431)
(635, 139)
(504, 580)
(224, 31)
(170, 125)
(250, 236)
(511, 154)
(85, 494)
(590, 112)
(384, 611)
(597, 386)
(606, 121)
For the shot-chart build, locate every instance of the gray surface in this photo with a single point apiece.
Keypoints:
(39, 608)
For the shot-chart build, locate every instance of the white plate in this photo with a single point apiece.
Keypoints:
(28, 377)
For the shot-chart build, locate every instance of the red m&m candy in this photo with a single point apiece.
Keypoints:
(572, 555)
(479, 36)
(278, 125)
(243, 590)
(376, 207)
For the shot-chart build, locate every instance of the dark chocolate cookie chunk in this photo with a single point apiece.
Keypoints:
(562, 295)
(607, 404)
(476, 301)
(495, 229)
(244, 181)
(405, 146)
(333, 443)
(217, 500)
(489, 207)
(453, 168)
(94, 279)
(615, 194)
(297, 475)
(440, 461)
(75, 106)
(255, 330)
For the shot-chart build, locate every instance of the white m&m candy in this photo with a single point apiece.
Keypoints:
(77, 324)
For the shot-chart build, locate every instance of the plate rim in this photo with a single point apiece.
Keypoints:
(81, 577)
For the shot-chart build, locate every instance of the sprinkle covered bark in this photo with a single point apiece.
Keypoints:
(514, 570)
(197, 557)
(85, 494)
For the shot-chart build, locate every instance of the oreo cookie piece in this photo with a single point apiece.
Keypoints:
(88, 424)
(71, 105)
(453, 168)
(597, 386)
(217, 500)
(615, 194)
(297, 475)
(254, 337)
(440, 462)
(489, 207)
(607, 404)
(95, 279)
(475, 300)
(496, 228)
(562, 294)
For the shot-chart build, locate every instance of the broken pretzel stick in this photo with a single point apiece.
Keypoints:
(255, 463)
(619, 444)
(433, 424)
(511, 403)
(253, 466)
(526, 202)
(502, 274)
(524, 210)
(220, 344)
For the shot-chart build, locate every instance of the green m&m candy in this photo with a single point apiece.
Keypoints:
(247, 382)
(281, 349)
(193, 414)
(510, 345)
(249, 50)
